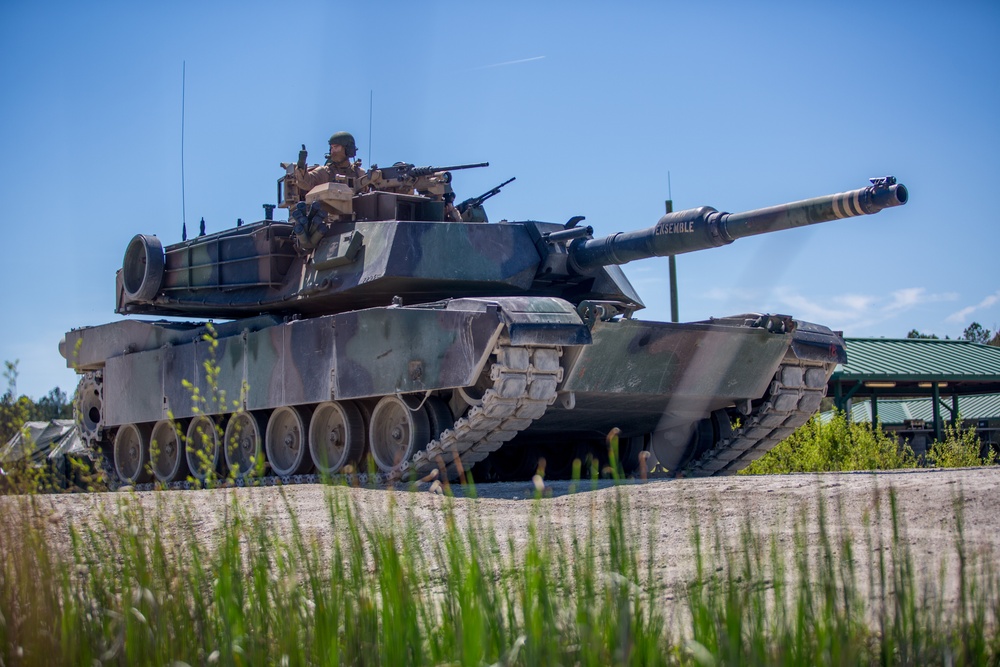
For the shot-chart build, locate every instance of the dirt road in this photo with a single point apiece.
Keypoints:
(927, 501)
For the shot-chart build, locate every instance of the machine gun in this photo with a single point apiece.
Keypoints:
(404, 178)
(472, 208)
(403, 171)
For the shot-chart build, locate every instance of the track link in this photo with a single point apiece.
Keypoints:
(795, 394)
(524, 386)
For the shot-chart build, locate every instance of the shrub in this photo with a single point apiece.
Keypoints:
(960, 448)
(838, 445)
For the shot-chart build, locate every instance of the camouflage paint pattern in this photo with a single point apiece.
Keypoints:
(359, 354)
(682, 360)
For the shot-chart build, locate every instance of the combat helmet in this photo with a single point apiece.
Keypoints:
(345, 139)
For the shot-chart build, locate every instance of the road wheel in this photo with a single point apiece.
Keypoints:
(397, 432)
(336, 436)
(132, 453)
(285, 442)
(202, 450)
(243, 445)
(167, 452)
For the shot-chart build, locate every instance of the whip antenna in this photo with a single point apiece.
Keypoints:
(370, 128)
(183, 199)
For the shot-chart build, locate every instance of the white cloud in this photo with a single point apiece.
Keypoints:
(856, 302)
(960, 315)
(509, 62)
(847, 311)
(906, 298)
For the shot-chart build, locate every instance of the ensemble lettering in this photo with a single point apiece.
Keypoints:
(685, 227)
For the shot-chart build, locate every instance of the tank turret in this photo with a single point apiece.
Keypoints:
(396, 245)
(368, 326)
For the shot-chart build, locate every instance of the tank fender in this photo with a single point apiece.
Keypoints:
(815, 342)
(534, 320)
(381, 351)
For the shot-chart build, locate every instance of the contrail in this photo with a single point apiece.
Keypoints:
(509, 62)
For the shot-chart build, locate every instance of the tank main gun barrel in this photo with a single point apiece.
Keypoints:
(705, 227)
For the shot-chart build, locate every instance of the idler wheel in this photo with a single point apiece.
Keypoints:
(202, 451)
(132, 453)
(439, 416)
(336, 436)
(142, 268)
(396, 432)
(285, 442)
(166, 451)
(244, 445)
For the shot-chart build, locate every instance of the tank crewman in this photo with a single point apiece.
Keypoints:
(338, 163)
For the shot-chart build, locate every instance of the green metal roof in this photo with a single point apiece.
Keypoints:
(918, 359)
(896, 411)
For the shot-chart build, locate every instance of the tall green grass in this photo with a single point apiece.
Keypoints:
(148, 583)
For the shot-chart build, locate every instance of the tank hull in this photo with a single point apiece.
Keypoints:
(508, 371)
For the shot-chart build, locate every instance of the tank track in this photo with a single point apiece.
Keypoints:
(524, 386)
(795, 395)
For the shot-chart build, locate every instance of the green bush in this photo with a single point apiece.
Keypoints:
(961, 448)
(838, 445)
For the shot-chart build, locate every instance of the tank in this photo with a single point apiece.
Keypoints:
(367, 333)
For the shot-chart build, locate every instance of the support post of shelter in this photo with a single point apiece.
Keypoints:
(874, 408)
(841, 399)
(672, 263)
(954, 410)
(936, 393)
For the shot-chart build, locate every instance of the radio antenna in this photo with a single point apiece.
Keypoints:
(183, 198)
(370, 97)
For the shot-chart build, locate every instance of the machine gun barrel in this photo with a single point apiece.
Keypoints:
(427, 171)
(705, 227)
(473, 202)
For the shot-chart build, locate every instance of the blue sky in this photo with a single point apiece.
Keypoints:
(588, 104)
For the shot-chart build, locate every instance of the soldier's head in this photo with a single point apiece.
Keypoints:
(342, 146)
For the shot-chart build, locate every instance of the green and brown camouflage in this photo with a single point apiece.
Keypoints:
(431, 344)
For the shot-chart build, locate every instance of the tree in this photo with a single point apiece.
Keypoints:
(916, 334)
(10, 374)
(54, 405)
(976, 333)
(16, 410)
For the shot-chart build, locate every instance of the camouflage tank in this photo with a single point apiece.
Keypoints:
(367, 325)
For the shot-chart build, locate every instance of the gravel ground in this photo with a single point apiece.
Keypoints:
(927, 501)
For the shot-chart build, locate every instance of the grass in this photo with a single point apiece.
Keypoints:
(140, 583)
